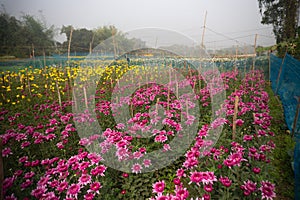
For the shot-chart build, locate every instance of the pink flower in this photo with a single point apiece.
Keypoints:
(247, 138)
(137, 155)
(26, 184)
(89, 196)
(99, 170)
(182, 193)
(8, 182)
(84, 179)
(239, 122)
(208, 188)
(160, 138)
(256, 170)
(167, 147)
(62, 186)
(95, 187)
(136, 168)
(204, 177)
(180, 173)
(38, 192)
(147, 162)
(60, 145)
(25, 144)
(225, 181)
(73, 190)
(159, 187)
(29, 175)
(267, 190)
(11, 197)
(248, 187)
(6, 151)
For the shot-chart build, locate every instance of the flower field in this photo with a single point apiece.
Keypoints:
(45, 155)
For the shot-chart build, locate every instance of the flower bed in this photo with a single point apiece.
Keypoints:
(44, 158)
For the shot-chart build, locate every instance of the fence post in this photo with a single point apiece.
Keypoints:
(296, 116)
(279, 74)
(1, 171)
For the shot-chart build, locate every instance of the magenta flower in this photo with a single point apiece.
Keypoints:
(38, 192)
(247, 138)
(89, 196)
(180, 173)
(94, 187)
(136, 168)
(239, 122)
(62, 186)
(85, 179)
(267, 190)
(256, 170)
(248, 187)
(158, 187)
(29, 175)
(73, 190)
(182, 193)
(208, 188)
(225, 181)
(6, 152)
(147, 162)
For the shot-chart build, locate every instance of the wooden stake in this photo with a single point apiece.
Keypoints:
(58, 93)
(69, 45)
(75, 100)
(204, 27)
(187, 108)
(157, 104)
(296, 116)
(253, 65)
(269, 66)
(279, 73)
(236, 103)
(113, 32)
(1, 171)
(85, 98)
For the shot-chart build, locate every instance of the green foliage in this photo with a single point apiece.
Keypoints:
(283, 15)
(24, 37)
(282, 169)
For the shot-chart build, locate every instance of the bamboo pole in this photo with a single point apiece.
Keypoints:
(255, 40)
(236, 103)
(269, 66)
(75, 100)
(204, 27)
(1, 171)
(69, 45)
(279, 73)
(58, 93)
(85, 98)
(157, 104)
(296, 116)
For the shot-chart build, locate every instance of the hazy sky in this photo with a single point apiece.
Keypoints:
(226, 19)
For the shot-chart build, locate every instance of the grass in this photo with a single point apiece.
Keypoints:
(283, 153)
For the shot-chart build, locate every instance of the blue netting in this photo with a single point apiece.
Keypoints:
(297, 167)
(285, 77)
(275, 67)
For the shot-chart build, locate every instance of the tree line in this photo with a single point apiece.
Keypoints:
(283, 15)
(30, 37)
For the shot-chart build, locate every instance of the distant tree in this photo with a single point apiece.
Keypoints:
(111, 39)
(81, 38)
(37, 35)
(283, 16)
(24, 37)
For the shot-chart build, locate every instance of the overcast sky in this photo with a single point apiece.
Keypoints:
(229, 22)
